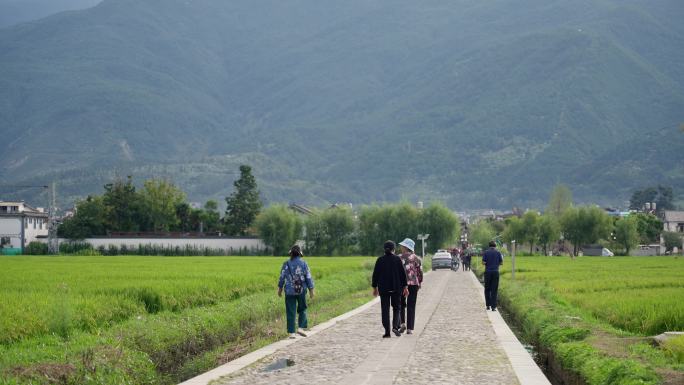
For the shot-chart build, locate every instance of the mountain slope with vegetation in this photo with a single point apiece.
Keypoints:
(478, 104)
(20, 11)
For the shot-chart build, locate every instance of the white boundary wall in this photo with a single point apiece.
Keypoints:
(214, 243)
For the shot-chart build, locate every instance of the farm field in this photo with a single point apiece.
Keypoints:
(595, 314)
(150, 320)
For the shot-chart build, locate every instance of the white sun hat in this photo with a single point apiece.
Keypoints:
(408, 243)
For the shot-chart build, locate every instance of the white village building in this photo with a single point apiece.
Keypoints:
(20, 224)
(673, 221)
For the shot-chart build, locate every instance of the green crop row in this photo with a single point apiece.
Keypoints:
(148, 320)
(593, 314)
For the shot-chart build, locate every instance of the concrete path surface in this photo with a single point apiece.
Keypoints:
(455, 342)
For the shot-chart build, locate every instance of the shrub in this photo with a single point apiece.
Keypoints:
(672, 240)
(675, 349)
(72, 248)
(36, 248)
(173, 251)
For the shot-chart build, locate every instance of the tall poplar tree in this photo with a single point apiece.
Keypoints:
(559, 201)
(243, 205)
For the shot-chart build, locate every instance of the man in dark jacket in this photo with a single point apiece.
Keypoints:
(492, 259)
(389, 281)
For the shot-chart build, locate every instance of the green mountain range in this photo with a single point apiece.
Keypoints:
(475, 103)
(20, 11)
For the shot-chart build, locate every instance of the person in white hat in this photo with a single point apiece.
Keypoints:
(414, 276)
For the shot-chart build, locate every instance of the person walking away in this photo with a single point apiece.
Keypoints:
(467, 258)
(414, 278)
(389, 281)
(295, 278)
(492, 259)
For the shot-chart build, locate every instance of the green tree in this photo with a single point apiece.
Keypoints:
(184, 213)
(122, 204)
(530, 228)
(649, 227)
(549, 231)
(665, 200)
(663, 196)
(442, 225)
(398, 221)
(316, 233)
(585, 225)
(160, 200)
(369, 229)
(210, 217)
(330, 231)
(671, 240)
(481, 233)
(206, 220)
(626, 233)
(243, 204)
(560, 200)
(514, 230)
(89, 220)
(498, 226)
(279, 227)
(393, 221)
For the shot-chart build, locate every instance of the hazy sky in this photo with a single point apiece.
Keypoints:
(19, 11)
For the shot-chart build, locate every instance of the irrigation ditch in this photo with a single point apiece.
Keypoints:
(542, 356)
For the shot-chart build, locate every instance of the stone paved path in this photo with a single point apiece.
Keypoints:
(454, 343)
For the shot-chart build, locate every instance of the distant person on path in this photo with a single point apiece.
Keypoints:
(414, 277)
(492, 259)
(389, 281)
(466, 259)
(295, 277)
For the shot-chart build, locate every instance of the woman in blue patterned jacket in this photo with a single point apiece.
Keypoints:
(295, 278)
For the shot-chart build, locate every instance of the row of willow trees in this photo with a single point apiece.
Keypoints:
(341, 231)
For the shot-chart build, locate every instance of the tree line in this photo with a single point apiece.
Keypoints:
(340, 231)
(160, 206)
(583, 225)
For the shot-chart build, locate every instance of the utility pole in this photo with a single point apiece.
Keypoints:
(423, 238)
(53, 241)
(513, 259)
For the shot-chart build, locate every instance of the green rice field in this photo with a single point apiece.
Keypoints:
(150, 320)
(595, 314)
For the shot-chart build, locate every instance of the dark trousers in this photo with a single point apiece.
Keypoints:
(387, 299)
(408, 307)
(491, 287)
(296, 305)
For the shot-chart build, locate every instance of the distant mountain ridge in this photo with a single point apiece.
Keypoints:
(478, 104)
(20, 11)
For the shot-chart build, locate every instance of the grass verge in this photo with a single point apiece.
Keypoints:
(587, 347)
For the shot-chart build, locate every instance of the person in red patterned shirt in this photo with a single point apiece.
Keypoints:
(414, 274)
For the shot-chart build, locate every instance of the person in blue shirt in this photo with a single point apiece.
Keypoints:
(295, 278)
(492, 259)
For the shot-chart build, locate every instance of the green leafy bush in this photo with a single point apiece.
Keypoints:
(36, 248)
(675, 349)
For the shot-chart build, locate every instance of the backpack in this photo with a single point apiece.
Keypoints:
(297, 284)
